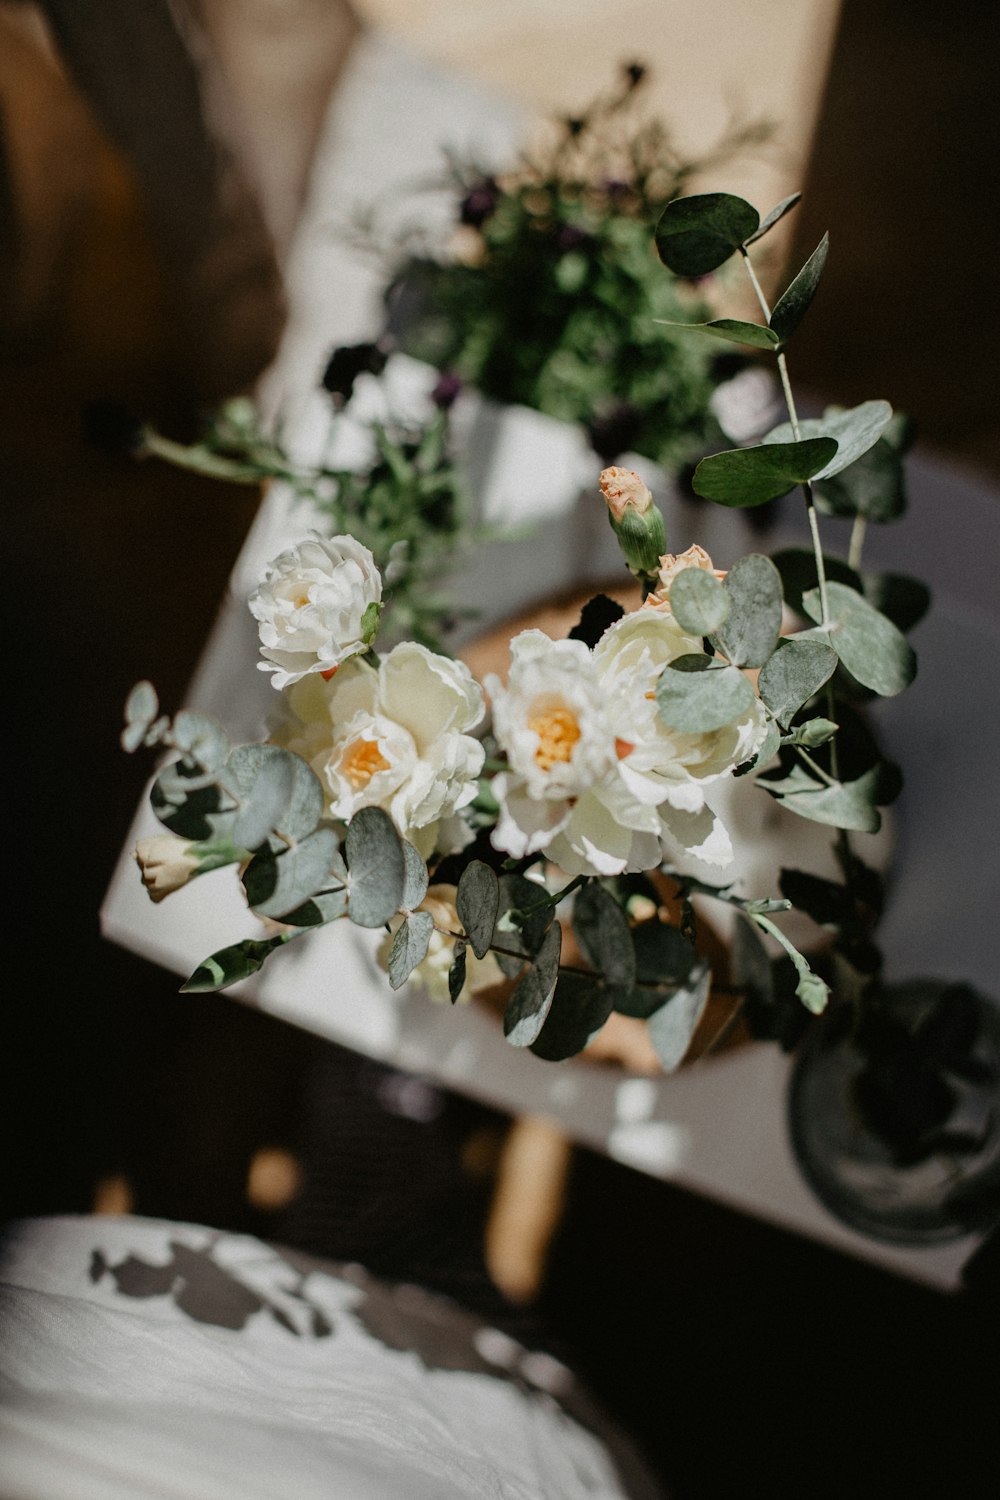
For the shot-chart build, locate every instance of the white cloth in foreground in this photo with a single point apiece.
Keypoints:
(171, 1361)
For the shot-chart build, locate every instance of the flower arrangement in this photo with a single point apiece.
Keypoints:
(547, 289)
(550, 831)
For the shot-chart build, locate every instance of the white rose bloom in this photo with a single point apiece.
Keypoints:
(645, 800)
(549, 719)
(395, 737)
(310, 605)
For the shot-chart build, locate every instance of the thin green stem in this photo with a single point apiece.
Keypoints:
(815, 766)
(857, 542)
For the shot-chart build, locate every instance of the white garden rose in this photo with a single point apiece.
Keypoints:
(549, 720)
(395, 737)
(316, 605)
(639, 796)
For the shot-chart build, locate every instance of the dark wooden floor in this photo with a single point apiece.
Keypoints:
(747, 1361)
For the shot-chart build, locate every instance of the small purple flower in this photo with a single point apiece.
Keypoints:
(572, 237)
(479, 202)
(446, 390)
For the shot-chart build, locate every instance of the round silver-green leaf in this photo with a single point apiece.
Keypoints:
(871, 648)
(696, 695)
(698, 600)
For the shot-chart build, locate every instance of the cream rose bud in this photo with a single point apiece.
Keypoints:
(431, 974)
(316, 605)
(166, 863)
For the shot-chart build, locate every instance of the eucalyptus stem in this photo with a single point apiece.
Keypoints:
(815, 766)
(857, 542)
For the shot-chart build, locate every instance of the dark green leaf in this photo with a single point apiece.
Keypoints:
(230, 965)
(756, 335)
(277, 884)
(456, 974)
(797, 567)
(791, 676)
(525, 899)
(414, 877)
(191, 804)
(477, 902)
(409, 946)
(741, 477)
(871, 648)
(695, 695)
(698, 600)
(784, 207)
(849, 804)
(697, 234)
(872, 486)
(792, 305)
(532, 998)
(749, 633)
(141, 708)
(902, 600)
(675, 1023)
(854, 431)
(829, 904)
(579, 1009)
(663, 957)
(376, 866)
(603, 933)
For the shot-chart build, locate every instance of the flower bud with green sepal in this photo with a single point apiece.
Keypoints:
(636, 522)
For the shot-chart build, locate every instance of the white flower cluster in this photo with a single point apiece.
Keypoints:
(597, 781)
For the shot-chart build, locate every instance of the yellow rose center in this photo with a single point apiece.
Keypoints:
(363, 760)
(558, 731)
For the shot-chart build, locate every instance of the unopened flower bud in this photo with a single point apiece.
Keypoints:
(635, 520)
(166, 863)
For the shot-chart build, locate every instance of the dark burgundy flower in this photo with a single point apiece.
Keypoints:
(479, 202)
(572, 237)
(346, 363)
(444, 393)
(634, 72)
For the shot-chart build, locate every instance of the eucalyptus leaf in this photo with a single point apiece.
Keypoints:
(232, 964)
(699, 602)
(871, 648)
(414, 877)
(696, 695)
(749, 633)
(141, 708)
(902, 600)
(790, 677)
(848, 804)
(664, 958)
(201, 738)
(697, 234)
(409, 946)
(797, 567)
(325, 906)
(872, 486)
(603, 933)
(854, 431)
(456, 973)
(776, 214)
(733, 330)
(525, 898)
(376, 867)
(742, 477)
(477, 901)
(263, 776)
(192, 805)
(277, 884)
(675, 1023)
(792, 305)
(579, 1009)
(532, 998)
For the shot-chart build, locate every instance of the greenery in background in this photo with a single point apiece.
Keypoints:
(548, 295)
